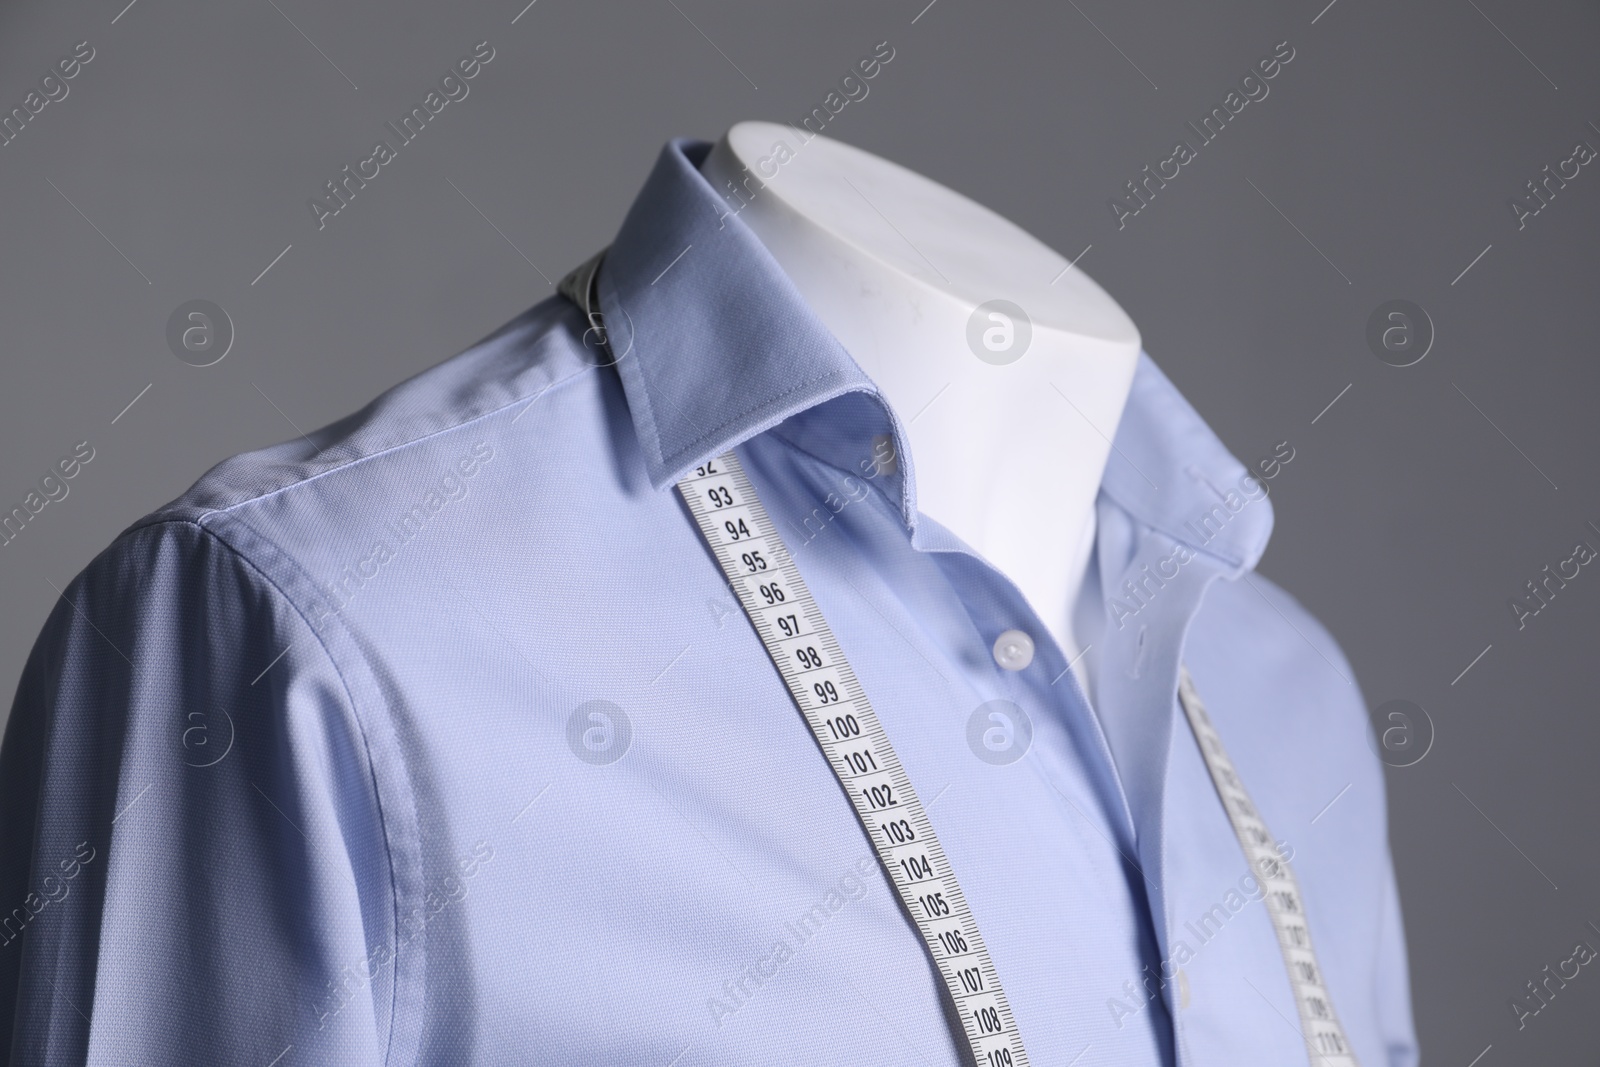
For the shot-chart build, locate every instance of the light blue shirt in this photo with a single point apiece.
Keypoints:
(440, 739)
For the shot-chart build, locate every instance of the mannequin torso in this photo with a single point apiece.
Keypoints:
(1009, 409)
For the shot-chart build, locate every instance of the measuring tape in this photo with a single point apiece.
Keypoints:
(760, 570)
(1325, 1040)
(763, 574)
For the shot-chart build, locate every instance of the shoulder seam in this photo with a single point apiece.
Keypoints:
(256, 568)
(163, 514)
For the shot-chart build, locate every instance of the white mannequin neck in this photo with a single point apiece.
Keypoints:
(894, 265)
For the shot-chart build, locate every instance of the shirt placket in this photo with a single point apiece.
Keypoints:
(1137, 683)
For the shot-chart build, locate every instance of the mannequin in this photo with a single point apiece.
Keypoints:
(896, 266)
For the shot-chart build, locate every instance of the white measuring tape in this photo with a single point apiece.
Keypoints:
(762, 573)
(1325, 1040)
(757, 564)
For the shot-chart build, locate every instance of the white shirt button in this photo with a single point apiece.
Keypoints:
(1013, 650)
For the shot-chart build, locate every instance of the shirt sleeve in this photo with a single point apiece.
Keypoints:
(192, 865)
(1393, 985)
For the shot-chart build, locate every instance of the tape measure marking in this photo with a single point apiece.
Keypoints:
(791, 627)
(1326, 1043)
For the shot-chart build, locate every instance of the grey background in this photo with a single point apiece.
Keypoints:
(1378, 167)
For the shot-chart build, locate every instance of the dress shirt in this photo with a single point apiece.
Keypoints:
(439, 737)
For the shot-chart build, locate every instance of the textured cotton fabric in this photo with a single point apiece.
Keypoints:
(440, 739)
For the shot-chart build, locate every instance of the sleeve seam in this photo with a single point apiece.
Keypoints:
(267, 581)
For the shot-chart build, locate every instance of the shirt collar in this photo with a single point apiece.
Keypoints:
(714, 345)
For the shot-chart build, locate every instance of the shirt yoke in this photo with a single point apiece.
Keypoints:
(534, 353)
